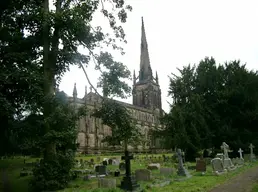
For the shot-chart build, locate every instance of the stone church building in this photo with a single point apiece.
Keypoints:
(146, 108)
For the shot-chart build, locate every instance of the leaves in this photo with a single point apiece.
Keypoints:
(212, 103)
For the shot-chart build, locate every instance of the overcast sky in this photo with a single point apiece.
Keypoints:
(179, 33)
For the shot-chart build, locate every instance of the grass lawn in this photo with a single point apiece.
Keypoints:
(198, 182)
(255, 187)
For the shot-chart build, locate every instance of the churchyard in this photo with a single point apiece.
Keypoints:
(152, 172)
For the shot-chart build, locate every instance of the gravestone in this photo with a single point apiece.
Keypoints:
(87, 177)
(110, 161)
(240, 151)
(217, 165)
(117, 173)
(153, 166)
(201, 165)
(220, 155)
(98, 159)
(122, 166)
(105, 163)
(115, 162)
(128, 183)
(101, 169)
(107, 183)
(181, 169)
(167, 171)
(240, 161)
(143, 175)
(252, 156)
(227, 163)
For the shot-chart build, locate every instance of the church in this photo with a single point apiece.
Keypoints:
(146, 109)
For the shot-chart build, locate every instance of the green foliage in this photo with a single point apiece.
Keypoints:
(116, 116)
(38, 46)
(55, 174)
(212, 104)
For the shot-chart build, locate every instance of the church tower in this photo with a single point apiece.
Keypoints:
(146, 89)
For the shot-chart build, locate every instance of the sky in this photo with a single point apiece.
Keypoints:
(180, 33)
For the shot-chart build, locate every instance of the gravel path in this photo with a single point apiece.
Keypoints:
(5, 181)
(242, 183)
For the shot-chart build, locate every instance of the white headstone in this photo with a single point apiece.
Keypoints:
(240, 151)
(251, 146)
(225, 148)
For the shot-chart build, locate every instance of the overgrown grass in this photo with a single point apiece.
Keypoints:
(198, 182)
(255, 187)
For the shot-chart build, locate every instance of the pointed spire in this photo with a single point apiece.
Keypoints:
(145, 68)
(134, 77)
(74, 91)
(86, 92)
(157, 78)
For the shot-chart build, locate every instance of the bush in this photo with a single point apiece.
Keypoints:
(53, 174)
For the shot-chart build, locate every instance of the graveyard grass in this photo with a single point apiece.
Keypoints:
(198, 182)
(255, 187)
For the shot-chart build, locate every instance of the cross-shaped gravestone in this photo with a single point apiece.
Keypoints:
(128, 183)
(180, 159)
(240, 151)
(127, 158)
(181, 170)
(251, 146)
(225, 148)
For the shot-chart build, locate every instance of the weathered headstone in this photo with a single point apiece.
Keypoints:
(105, 163)
(122, 166)
(107, 183)
(252, 156)
(240, 151)
(201, 165)
(181, 169)
(143, 175)
(101, 170)
(227, 163)
(153, 166)
(217, 165)
(167, 171)
(115, 162)
(110, 161)
(117, 173)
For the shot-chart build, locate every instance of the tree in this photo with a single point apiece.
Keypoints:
(212, 104)
(118, 118)
(49, 40)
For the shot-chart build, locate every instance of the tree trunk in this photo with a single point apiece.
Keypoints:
(49, 62)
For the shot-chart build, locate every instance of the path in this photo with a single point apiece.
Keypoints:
(242, 183)
(5, 181)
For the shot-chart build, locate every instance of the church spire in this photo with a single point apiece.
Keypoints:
(74, 91)
(145, 68)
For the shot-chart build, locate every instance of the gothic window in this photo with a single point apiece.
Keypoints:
(91, 124)
(146, 99)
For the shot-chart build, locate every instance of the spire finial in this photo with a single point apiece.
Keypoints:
(145, 68)
(157, 78)
(86, 90)
(74, 91)
(134, 77)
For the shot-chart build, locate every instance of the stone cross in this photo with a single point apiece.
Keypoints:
(128, 183)
(240, 151)
(251, 146)
(127, 159)
(180, 159)
(225, 148)
(90, 88)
